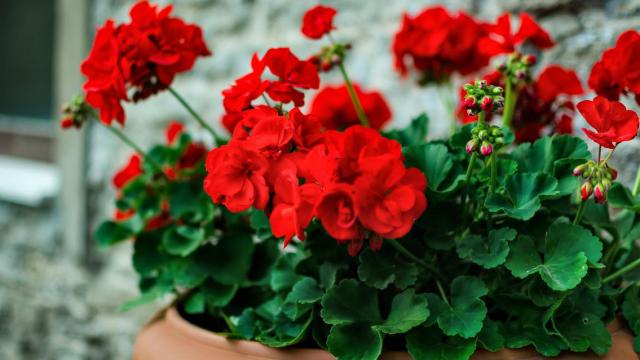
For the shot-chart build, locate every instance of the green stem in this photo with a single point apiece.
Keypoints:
(442, 293)
(266, 100)
(578, 218)
(634, 264)
(364, 120)
(120, 135)
(636, 185)
(403, 250)
(510, 97)
(216, 138)
(494, 171)
(472, 162)
(481, 117)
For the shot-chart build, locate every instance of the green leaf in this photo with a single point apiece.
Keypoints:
(111, 232)
(182, 240)
(569, 248)
(328, 272)
(620, 197)
(260, 223)
(379, 269)
(408, 310)
(304, 293)
(414, 134)
(631, 309)
(466, 312)
(147, 258)
(461, 137)
(354, 342)
(429, 344)
(443, 176)
(519, 336)
(490, 338)
(157, 291)
(584, 332)
(350, 302)
(283, 275)
(489, 252)
(231, 257)
(523, 195)
(216, 294)
(195, 303)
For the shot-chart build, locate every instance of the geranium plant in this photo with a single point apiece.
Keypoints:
(311, 226)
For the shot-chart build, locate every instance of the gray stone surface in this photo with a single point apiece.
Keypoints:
(52, 307)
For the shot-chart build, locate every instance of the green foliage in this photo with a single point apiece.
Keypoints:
(523, 195)
(414, 134)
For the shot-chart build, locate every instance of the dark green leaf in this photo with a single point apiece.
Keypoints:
(429, 344)
(111, 232)
(466, 312)
(414, 134)
(620, 197)
(195, 303)
(379, 269)
(182, 240)
(490, 337)
(408, 310)
(586, 331)
(437, 164)
(350, 302)
(354, 342)
(487, 252)
(523, 195)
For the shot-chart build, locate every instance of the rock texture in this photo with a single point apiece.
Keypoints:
(54, 307)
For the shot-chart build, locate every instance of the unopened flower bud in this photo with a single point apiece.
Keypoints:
(502, 67)
(497, 90)
(483, 134)
(613, 173)
(469, 102)
(486, 149)
(336, 59)
(530, 60)
(586, 190)
(487, 104)
(499, 140)
(496, 131)
(482, 84)
(600, 194)
(326, 65)
(67, 123)
(579, 170)
(606, 184)
(472, 146)
(521, 75)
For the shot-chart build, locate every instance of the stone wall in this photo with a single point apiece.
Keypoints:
(54, 307)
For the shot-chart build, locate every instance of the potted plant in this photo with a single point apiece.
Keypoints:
(314, 233)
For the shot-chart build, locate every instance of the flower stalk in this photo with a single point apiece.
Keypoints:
(632, 265)
(216, 138)
(511, 95)
(125, 139)
(580, 212)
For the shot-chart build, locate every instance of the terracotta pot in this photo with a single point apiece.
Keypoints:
(170, 337)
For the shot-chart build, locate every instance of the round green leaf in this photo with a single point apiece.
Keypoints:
(429, 344)
(408, 310)
(379, 269)
(354, 342)
(487, 252)
(523, 194)
(182, 240)
(351, 302)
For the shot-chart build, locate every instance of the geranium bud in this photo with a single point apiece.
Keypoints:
(483, 134)
(579, 170)
(613, 173)
(502, 67)
(472, 146)
(469, 103)
(521, 75)
(67, 123)
(335, 59)
(486, 149)
(326, 65)
(487, 104)
(482, 84)
(606, 184)
(530, 60)
(586, 190)
(497, 90)
(315, 60)
(600, 194)
(496, 131)
(499, 140)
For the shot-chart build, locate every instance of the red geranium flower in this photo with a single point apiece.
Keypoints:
(501, 40)
(173, 132)
(618, 72)
(438, 44)
(318, 21)
(143, 55)
(130, 171)
(333, 107)
(293, 207)
(236, 178)
(337, 212)
(247, 88)
(390, 198)
(612, 122)
(292, 73)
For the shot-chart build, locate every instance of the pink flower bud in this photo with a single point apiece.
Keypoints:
(469, 103)
(579, 170)
(600, 194)
(586, 190)
(486, 149)
(487, 104)
(530, 60)
(521, 75)
(472, 146)
(614, 173)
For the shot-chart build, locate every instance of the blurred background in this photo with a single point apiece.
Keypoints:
(59, 294)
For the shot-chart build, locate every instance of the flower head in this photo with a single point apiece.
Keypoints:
(332, 106)
(318, 21)
(611, 120)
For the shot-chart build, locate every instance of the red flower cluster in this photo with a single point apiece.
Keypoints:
(439, 44)
(144, 55)
(318, 21)
(354, 182)
(612, 122)
(333, 107)
(292, 75)
(618, 71)
(501, 39)
(545, 104)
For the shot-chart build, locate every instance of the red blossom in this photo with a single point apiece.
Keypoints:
(612, 122)
(173, 131)
(292, 73)
(130, 171)
(318, 21)
(501, 39)
(334, 109)
(438, 44)
(247, 88)
(143, 55)
(336, 210)
(236, 178)
(618, 71)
